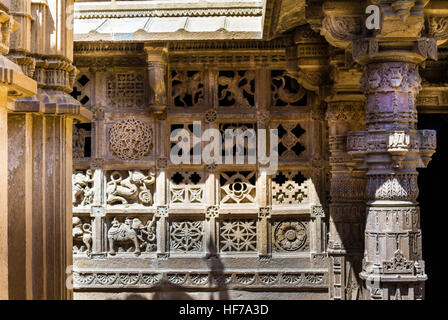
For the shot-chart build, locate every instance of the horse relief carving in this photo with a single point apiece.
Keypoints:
(134, 189)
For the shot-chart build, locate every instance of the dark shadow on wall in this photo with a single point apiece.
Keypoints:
(432, 182)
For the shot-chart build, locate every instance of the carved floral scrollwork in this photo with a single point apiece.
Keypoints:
(186, 236)
(238, 235)
(398, 264)
(399, 187)
(427, 47)
(286, 90)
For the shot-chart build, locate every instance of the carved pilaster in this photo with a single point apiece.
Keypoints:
(157, 63)
(345, 112)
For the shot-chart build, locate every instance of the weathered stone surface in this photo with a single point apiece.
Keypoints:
(96, 106)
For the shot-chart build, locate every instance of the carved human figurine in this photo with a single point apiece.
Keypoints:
(81, 188)
(126, 190)
(396, 78)
(82, 232)
(146, 233)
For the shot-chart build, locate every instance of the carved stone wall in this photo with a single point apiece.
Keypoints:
(348, 155)
(232, 223)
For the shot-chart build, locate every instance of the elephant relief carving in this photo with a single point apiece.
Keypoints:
(82, 233)
(132, 231)
(134, 188)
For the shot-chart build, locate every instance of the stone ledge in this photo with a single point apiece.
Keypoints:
(55, 103)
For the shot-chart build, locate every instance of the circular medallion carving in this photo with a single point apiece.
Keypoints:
(130, 139)
(290, 235)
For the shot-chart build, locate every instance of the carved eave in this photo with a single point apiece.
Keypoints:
(12, 77)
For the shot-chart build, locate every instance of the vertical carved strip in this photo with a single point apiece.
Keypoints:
(345, 112)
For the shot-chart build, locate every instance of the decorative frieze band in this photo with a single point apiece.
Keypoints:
(199, 279)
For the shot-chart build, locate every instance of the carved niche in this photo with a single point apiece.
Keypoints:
(81, 141)
(130, 139)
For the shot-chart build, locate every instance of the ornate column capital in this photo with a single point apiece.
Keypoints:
(402, 34)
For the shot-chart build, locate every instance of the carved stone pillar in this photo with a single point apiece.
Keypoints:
(393, 267)
(39, 150)
(345, 112)
(17, 240)
(391, 148)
